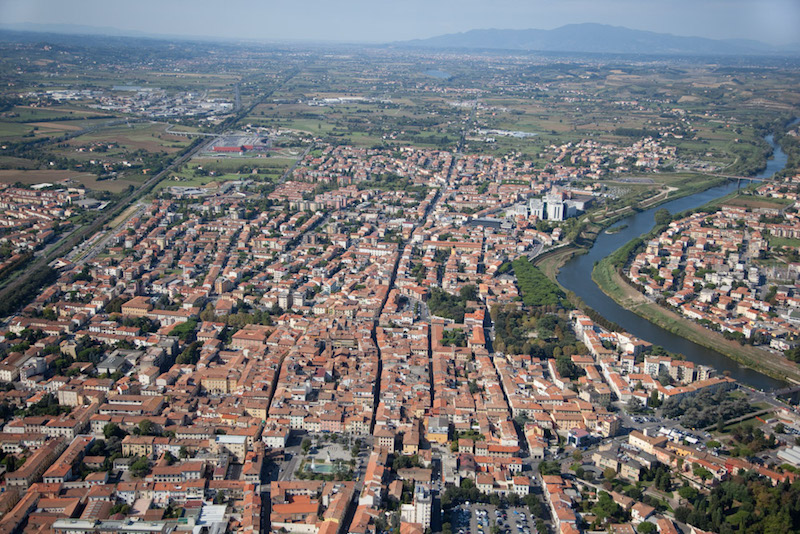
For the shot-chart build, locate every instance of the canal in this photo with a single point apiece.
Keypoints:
(576, 275)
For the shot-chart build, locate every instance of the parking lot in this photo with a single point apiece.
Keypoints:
(791, 430)
(645, 419)
(472, 518)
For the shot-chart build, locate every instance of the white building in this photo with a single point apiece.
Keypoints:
(555, 210)
(419, 511)
(536, 208)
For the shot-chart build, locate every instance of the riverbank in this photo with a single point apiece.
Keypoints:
(624, 295)
(550, 262)
(575, 275)
(616, 229)
(684, 184)
(615, 286)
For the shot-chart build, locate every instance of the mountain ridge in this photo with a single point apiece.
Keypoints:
(598, 38)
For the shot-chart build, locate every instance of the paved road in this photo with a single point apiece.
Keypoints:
(170, 130)
(291, 169)
(424, 311)
(100, 244)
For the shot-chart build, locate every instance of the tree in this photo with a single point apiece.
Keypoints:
(688, 493)
(654, 401)
(120, 508)
(444, 304)
(633, 405)
(660, 474)
(536, 289)
(113, 430)
(567, 369)
(682, 514)
(634, 493)
(146, 427)
(607, 510)
(468, 292)
(98, 448)
(185, 331)
(662, 217)
(609, 473)
(306, 445)
(190, 354)
(706, 408)
(646, 527)
(401, 461)
(208, 313)
(663, 481)
(140, 467)
(549, 468)
(701, 472)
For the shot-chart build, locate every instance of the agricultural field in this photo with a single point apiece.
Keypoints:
(87, 180)
(150, 137)
(752, 202)
(208, 172)
(363, 123)
(24, 122)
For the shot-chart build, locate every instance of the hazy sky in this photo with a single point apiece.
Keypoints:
(772, 21)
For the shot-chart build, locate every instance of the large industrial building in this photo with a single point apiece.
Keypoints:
(240, 143)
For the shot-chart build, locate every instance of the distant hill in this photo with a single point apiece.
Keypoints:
(598, 38)
(74, 29)
(30, 30)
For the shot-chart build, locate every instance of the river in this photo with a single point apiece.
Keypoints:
(576, 275)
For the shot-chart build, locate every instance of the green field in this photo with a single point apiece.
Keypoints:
(755, 202)
(24, 121)
(10, 162)
(227, 169)
(783, 242)
(11, 130)
(137, 136)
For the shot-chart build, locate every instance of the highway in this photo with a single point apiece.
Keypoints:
(169, 130)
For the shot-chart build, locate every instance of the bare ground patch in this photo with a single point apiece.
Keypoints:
(86, 179)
